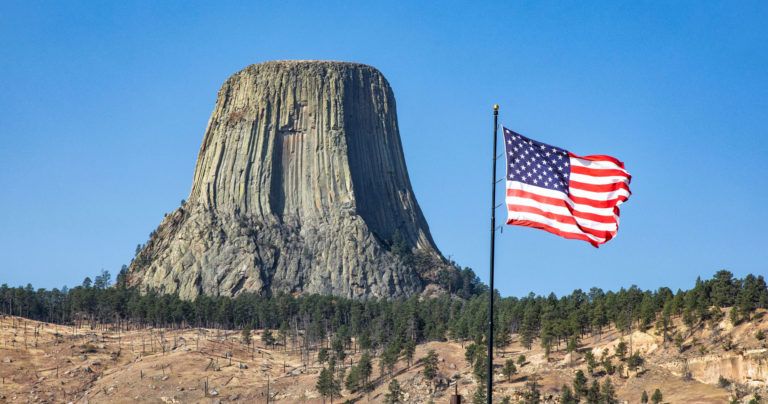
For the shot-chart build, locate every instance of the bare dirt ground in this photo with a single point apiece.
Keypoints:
(47, 363)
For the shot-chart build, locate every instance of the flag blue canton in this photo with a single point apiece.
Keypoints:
(535, 163)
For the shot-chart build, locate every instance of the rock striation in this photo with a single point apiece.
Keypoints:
(300, 186)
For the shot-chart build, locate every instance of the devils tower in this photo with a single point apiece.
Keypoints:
(301, 187)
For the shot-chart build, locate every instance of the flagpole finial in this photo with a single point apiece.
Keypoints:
(495, 107)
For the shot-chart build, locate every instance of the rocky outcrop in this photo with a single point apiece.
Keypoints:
(300, 186)
(749, 367)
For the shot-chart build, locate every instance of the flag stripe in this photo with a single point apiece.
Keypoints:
(555, 231)
(586, 226)
(515, 188)
(592, 179)
(598, 173)
(605, 215)
(599, 196)
(559, 208)
(554, 225)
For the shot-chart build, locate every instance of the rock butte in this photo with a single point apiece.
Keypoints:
(300, 186)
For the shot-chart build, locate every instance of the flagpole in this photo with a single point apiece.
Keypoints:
(493, 256)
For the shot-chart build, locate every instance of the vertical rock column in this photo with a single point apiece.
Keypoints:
(300, 186)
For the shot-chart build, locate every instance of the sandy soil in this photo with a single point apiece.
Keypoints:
(47, 363)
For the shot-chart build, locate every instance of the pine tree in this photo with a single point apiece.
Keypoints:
(591, 362)
(567, 397)
(635, 361)
(509, 369)
(409, 349)
(322, 355)
(608, 395)
(621, 350)
(579, 384)
(430, 364)
(394, 394)
(644, 397)
(527, 329)
(657, 397)
(365, 369)
(479, 396)
(327, 385)
(532, 395)
(593, 394)
(246, 335)
(267, 338)
(352, 382)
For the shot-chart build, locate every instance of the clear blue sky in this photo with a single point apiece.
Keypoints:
(104, 105)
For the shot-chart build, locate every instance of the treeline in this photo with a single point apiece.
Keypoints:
(378, 323)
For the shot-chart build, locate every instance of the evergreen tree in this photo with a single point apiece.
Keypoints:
(635, 361)
(608, 395)
(394, 393)
(567, 397)
(352, 382)
(409, 349)
(322, 355)
(364, 370)
(527, 330)
(532, 395)
(580, 385)
(430, 365)
(246, 335)
(621, 350)
(644, 397)
(479, 396)
(589, 357)
(657, 397)
(723, 289)
(327, 385)
(593, 394)
(267, 338)
(509, 369)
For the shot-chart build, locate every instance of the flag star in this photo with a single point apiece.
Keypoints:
(508, 142)
(550, 168)
(557, 185)
(566, 164)
(540, 177)
(517, 171)
(512, 165)
(535, 181)
(560, 168)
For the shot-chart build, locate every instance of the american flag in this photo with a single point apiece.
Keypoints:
(572, 196)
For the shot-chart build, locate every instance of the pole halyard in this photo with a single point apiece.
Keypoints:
(489, 383)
